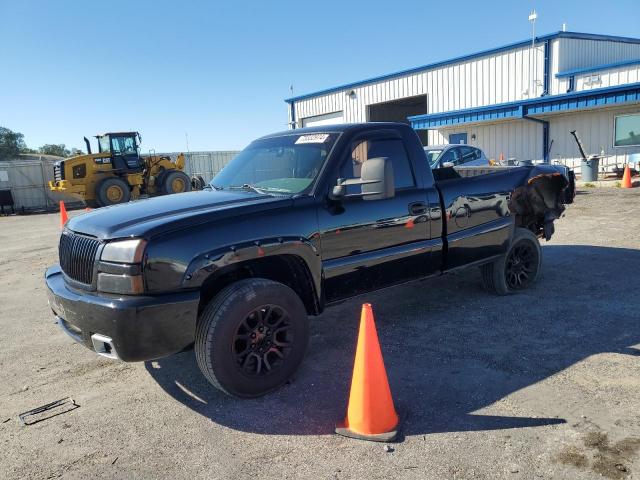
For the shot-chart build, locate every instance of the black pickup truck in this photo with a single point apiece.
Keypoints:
(298, 220)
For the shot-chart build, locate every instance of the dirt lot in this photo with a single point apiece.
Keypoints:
(544, 384)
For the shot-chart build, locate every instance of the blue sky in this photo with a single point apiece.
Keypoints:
(219, 71)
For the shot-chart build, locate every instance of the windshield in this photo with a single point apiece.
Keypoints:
(287, 164)
(103, 144)
(432, 156)
(124, 145)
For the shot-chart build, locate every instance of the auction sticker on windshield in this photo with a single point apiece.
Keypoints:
(315, 138)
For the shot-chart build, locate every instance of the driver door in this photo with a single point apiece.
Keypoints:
(125, 154)
(369, 244)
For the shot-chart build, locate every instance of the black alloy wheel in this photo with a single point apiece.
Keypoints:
(521, 266)
(263, 340)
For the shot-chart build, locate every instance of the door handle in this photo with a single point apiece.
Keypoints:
(417, 208)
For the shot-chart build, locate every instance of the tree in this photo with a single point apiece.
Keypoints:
(75, 151)
(11, 144)
(59, 150)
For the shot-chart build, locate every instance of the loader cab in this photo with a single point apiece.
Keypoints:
(124, 148)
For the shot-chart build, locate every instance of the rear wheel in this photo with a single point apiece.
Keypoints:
(112, 191)
(252, 337)
(518, 269)
(176, 182)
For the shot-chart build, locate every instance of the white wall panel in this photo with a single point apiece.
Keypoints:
(595, 128)
(608, 78)
(520, 139)
(579, 53)
(503, 77)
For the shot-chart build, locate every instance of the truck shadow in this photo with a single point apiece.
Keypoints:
(450, 349)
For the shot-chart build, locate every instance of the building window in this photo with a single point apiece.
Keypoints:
(627, 130)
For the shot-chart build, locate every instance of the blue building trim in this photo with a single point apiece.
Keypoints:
(547, 66)
(511, 46)
(536, 106)
(294, 122)
(597, 68)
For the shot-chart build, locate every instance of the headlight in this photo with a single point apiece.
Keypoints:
(124, 251)
(120, 284)
(120, 269)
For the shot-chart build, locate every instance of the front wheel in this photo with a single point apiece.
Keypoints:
(176, 182)
(111, 191)
(518, 269)
(251, 337)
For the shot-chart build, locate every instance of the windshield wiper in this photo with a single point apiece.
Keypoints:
(215, 187)
(246, 186)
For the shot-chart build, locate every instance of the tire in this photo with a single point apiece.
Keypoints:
(175, 182)
(197, 182)
(518, 269)
(229, 339)
(112, 191)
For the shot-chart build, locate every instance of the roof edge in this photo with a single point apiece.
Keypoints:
(597, 68)
(527, 102)
(482, 53)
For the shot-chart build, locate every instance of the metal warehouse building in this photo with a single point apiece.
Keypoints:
(519, 100)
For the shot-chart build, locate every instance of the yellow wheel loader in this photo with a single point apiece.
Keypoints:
(118, 173)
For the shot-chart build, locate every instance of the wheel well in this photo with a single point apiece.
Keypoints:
(289, 270)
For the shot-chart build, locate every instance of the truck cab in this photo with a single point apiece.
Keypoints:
(124, 150)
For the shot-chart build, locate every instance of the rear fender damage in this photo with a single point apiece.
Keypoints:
(540, 202)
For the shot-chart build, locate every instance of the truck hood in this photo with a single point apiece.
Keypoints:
(153, 216)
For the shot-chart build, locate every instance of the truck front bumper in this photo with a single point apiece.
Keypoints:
(131, 328)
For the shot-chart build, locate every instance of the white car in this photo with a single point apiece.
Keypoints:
(453, 155)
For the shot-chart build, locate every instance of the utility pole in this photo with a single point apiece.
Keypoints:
(533, 57)
(532, 18)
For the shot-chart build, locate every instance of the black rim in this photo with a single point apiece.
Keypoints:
(522, 264)
(263, 340)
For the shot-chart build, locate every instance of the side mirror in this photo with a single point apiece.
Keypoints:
(447, 165)
(376, 179)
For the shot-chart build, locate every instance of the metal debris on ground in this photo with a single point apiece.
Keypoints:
(47, 411)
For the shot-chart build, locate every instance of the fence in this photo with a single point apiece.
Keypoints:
(27, 177)
(207, 164)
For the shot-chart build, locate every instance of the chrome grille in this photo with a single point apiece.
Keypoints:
(77, 256)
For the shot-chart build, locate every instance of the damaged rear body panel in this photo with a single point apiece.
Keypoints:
(487, 202)
(542, 199)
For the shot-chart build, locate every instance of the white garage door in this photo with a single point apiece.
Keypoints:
(326, 119)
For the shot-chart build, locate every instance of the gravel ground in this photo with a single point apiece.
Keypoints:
(543, 384)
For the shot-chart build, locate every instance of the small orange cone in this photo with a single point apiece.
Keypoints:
(410, 223)
(87, 209)
(626, 178)
(371, 414)
(63, 215)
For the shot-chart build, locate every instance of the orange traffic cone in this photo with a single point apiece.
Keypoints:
(87, 209)
(626, 178)
(63, 215)
(371, 414)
